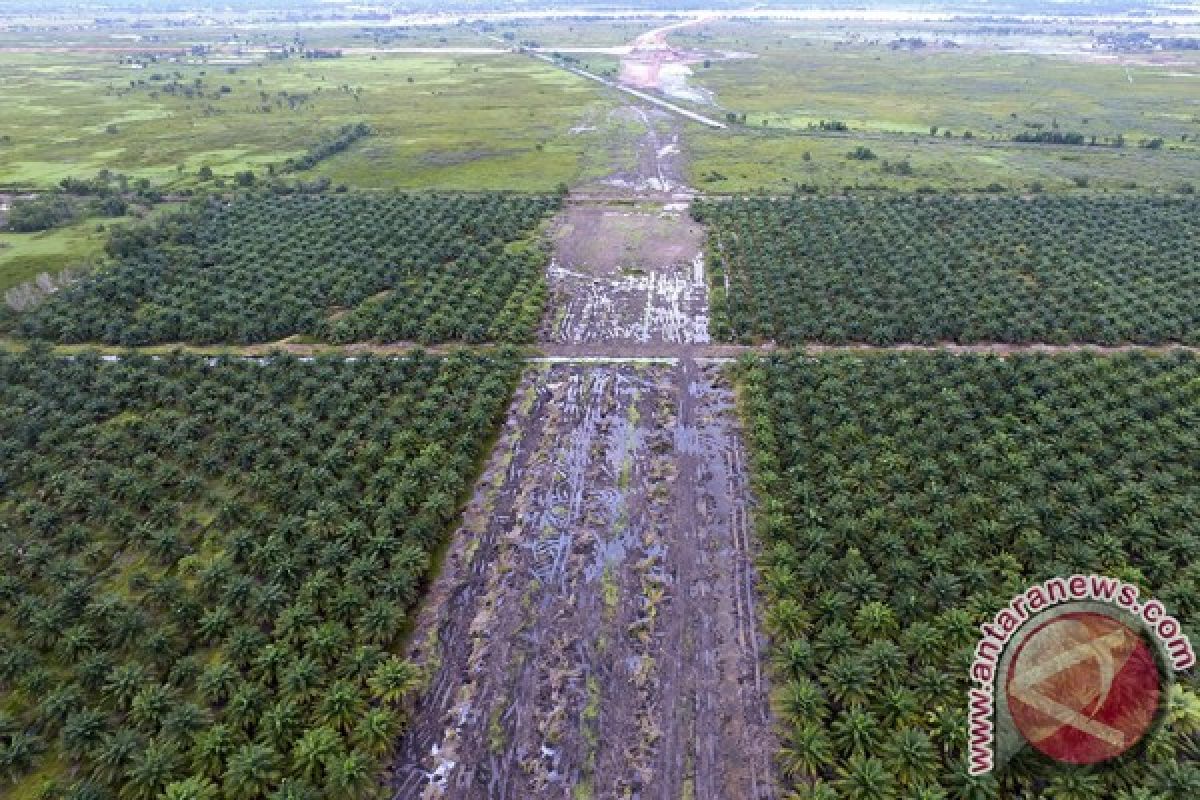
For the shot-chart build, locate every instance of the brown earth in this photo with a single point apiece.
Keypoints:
(627, 274)
(595, 623)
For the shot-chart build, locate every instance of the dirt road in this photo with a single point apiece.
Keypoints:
(595, 621)
(628, 275)
(593, 632)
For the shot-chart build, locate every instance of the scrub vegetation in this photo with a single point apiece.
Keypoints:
(437, 121)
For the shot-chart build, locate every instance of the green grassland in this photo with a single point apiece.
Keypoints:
(872, 88)
(80, 244)
(577, 33)
(748, 160)
(890, 100)
(442, 121)
(24, 255)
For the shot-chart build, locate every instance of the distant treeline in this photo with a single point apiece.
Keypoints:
(1141, 42)
(346, 136)
(106, 195)
(1050, 137)
(1071, 138)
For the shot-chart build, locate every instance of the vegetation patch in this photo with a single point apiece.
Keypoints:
(966, 269)
(206, 565)
(263, 267)
(906, 498)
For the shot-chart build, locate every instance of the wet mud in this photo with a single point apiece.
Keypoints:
(594, 628)
(652, 164)
(628, 274)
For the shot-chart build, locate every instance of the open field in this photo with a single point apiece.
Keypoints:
(917, 107)
(795, 83)
(460, 122)
(777, 161)
(1058, 269)
(24, 255)
(910, 498)
(207, 567)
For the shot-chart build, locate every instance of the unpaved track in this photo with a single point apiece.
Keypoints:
(593, 632)
(595, 620)
(628, 275)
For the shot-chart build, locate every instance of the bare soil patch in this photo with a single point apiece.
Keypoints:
(657, 166)
(596, 631)
(627, 274)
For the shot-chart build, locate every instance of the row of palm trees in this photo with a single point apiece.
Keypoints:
(905, 499)
(263, 267)
(206, 567)
(950, 268)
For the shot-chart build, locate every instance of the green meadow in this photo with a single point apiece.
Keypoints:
(748, 160)
(441, 121)
(797, 82)
(24, 255)
(946, 116)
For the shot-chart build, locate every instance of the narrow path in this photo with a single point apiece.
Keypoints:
(582, 352)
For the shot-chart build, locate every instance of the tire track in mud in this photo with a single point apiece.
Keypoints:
(599, 638)
(725, 746)
(632, 276)
(425, 757)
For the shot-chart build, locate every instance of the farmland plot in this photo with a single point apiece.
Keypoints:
(207, 565)
(339, 267)
(911, 495)
(1063, 270)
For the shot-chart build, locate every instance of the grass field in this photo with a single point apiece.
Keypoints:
(892, 100)
(748, 160)
(441, 121)
(873, 88)
(24, 255)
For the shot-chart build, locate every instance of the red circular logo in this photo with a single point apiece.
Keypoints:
(1083, 688)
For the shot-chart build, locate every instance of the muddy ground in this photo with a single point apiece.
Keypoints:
(650, 164)
(627, 274)
(596, 629)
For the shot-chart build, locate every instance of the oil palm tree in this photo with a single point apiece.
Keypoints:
(865, 778)
(251, 772)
